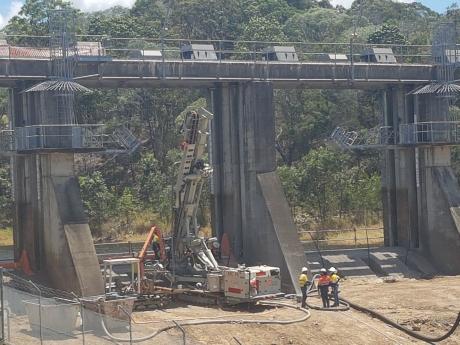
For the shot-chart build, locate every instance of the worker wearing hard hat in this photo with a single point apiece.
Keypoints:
(323, 286)
(334, 285)
(304, 284)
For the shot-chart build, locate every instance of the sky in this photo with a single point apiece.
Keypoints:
(9, 8)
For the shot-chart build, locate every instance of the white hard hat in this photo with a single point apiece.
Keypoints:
(304, 269)
(323, 270)
(332, 269)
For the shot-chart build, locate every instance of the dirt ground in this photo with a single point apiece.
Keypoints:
(428, 305)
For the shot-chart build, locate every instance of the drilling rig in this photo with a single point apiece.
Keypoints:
(189, 264)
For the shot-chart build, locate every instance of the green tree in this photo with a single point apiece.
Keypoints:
(262, 29)
(32, 19)
(321, 182)
(387, 34)
(6, 201)
(126, 208)
(119, 23)
(317, 25)
(207, 19)
(98, 200)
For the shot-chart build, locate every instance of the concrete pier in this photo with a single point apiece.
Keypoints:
(249, 197)
(399, 189)
(420, 192)
(50, 223)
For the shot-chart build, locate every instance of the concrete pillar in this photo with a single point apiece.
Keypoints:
(439, 191)
(249, 197)
(50, 222)
(398, 175)
(388, 180)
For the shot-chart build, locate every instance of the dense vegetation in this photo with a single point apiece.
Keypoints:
(325, 185)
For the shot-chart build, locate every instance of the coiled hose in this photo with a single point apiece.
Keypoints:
(312, 289)
(215, 322)
(402, 328)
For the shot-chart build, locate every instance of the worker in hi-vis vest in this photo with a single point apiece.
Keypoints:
(323, 286)
(334, 285)
(304, 284)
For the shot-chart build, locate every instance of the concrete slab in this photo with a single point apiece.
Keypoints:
(348, 262)
(84, 259)
(389, 263)
(417, 261)
(349, 266)
(290, 252)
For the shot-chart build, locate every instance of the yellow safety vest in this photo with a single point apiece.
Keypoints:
(335, 278)
(303, 280)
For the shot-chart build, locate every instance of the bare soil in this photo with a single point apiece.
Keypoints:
(429, 306)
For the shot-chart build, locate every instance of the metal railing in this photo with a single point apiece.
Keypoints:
(430, 133)
(342, 238)
(412, 134)
(378, 137)
(41, 137)
(76, 137)
(36, 47)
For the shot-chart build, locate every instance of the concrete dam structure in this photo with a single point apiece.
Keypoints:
(420, 193)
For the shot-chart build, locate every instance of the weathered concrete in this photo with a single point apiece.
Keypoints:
(50, 223)
(277, 235)
(138, 73)
(398, 175)
(249, 197)
(419, 188)
(389, 263)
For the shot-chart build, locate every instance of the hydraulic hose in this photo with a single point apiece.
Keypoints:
(344, 305)
(402, 328)
(312, 289)
(215, 322)
(195, 318)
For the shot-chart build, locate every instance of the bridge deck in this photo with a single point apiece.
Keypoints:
(183, 73)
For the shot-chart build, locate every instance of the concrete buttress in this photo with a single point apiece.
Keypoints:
(248, 194)
(50, 222)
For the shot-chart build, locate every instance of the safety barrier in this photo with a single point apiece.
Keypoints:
(102, 46)
(343, 238)
(35, 314)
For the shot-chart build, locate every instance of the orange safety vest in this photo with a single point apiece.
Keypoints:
(324, 279)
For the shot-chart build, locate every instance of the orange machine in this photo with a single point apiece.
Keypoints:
(148, 241)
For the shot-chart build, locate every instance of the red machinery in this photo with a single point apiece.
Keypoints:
(148, 242)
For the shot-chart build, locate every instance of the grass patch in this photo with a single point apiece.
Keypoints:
(358, 238)
(6, 236)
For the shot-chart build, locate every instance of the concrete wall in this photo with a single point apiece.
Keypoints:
(243, 150)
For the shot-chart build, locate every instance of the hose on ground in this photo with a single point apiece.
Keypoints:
(402, 328)
(195, 318)
(215, 322)
(343, 307)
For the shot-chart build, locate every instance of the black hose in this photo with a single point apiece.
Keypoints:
(210, 322)
(344, 306)
(402, 328)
